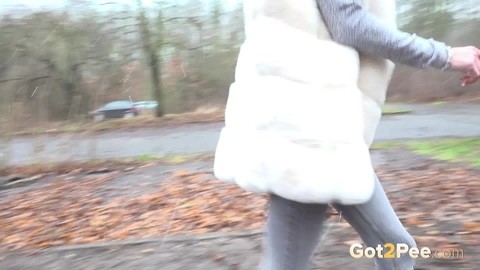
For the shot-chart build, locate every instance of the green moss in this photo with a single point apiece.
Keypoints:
(177, 159)
(147, 158)
(390, 109)
(465, 150)
(438, 103)
(462, 150)
(386, 145)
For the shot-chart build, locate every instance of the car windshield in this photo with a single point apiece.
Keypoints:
(118, 104)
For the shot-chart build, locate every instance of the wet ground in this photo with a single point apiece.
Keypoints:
(425, 121)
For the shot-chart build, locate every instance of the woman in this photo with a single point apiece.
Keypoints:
(307, 75)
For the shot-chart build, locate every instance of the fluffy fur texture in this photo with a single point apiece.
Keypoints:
(303, 109)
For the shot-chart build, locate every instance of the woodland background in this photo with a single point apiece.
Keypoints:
(59, 64)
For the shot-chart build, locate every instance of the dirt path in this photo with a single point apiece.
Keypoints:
(425, 121)
(241, 252)
(222, 253)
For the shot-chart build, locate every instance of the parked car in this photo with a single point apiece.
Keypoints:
(146, 105)
(116, 109)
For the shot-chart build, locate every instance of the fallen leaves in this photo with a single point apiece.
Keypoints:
(73, 212)
(413, 220)
(69, 168)
(218, 257)
(473, 227)
(77, 211)
(182, 173)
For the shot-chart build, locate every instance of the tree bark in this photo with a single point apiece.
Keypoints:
(153, 61)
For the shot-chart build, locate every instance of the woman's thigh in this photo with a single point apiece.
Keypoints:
(293, 231)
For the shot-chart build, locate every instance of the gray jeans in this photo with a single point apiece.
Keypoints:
(294, 229)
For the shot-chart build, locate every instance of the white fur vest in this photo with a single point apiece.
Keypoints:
(303, 109)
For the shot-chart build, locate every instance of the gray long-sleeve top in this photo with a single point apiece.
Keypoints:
(353, 26)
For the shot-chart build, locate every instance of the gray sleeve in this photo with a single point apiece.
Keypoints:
(353, 26)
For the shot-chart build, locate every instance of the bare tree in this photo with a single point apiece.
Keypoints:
(152, 45)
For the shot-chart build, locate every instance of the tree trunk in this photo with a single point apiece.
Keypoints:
(157, 83)
(151, 52)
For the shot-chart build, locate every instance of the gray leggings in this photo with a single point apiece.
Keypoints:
(294, 230)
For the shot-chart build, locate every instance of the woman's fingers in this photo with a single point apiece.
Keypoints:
(466, 80)
(466, 60)
(471, 81)
(474, 74)
(476, 66)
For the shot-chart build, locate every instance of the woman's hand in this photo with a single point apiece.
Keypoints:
(466, 60)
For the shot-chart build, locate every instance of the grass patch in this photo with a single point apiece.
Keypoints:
(438, 103)
(170, 159)
(386, 145)
(462, 150)
(177, 159)
(465, 150)
(147, 158)
(390, 109)
(47, 167)
(180, 159)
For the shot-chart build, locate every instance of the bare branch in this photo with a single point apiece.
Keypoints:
(188, 18)
(29, 79)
